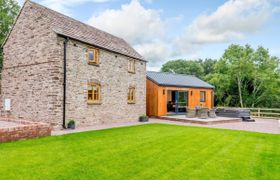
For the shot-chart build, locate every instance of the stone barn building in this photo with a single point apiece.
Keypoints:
(57, 68)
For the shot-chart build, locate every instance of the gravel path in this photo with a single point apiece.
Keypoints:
(261, 125)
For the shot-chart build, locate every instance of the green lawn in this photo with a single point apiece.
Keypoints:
(152, 151)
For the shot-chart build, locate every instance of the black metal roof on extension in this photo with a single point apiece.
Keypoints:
(177, 80)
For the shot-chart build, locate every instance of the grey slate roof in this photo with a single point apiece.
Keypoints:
(177, 80)
(72, 28)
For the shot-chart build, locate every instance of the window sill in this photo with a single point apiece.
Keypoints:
(132, 72)
(94, 103)
(93, 63)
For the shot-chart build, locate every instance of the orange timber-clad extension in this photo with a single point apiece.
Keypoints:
(169, 93)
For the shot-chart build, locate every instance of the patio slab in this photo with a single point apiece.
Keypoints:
(271, 126)
(183, 118)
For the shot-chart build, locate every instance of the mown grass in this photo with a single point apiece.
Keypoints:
(153, 151)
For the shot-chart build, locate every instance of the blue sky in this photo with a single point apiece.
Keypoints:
(164, 30)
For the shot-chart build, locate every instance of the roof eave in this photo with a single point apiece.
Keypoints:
(183, 86)
(90, 44)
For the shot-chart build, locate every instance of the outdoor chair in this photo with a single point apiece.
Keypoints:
(202, 113)
(212, 113)
(191, 113)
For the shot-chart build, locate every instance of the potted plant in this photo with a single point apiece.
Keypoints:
(71, 124)
(143, 118)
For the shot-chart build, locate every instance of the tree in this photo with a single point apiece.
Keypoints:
(243, 76)
(184, 67)
(246, 77)
(239, 60)
(208, 65)
(8, 12)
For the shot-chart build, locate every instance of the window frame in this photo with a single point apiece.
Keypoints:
(95, 60)
(204, 95)
(94, 101)
(131, 62)
(131, 95)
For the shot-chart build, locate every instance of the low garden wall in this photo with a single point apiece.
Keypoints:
(22, 129)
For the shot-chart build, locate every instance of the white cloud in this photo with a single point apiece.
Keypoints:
(154, 51)
(146, 30)
(132, 22)
(232, 20)
(64, 5)
(142, 28)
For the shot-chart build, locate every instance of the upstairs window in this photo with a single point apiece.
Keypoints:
(131, 95)
(93, 93)
(92, 56)
(131, 66)
(202, 96)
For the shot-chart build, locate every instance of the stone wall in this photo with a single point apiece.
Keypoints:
(32, 73)
(32, 77)
(112, 73)
(23, 130)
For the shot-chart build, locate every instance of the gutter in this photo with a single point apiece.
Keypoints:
(64, 81)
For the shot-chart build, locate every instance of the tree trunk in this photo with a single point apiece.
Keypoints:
(240, 91)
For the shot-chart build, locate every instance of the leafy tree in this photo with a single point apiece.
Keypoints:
(239, 61)
(8, 12)
(208, 65)
(243, 76)
(184, 67)
(246, 77)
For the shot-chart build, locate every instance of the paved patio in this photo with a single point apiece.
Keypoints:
(270, 126)
(216, 120)
(261, 125)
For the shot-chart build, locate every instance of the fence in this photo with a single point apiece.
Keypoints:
(264, 112)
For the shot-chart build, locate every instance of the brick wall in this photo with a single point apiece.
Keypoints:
(24, 130)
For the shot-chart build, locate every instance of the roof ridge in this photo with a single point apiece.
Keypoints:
(180, 80)
(42, 6)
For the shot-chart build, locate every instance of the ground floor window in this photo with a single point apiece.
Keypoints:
(202, 96)
(131, 95)
(93, 92)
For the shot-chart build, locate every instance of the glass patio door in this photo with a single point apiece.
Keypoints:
(181, 101)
